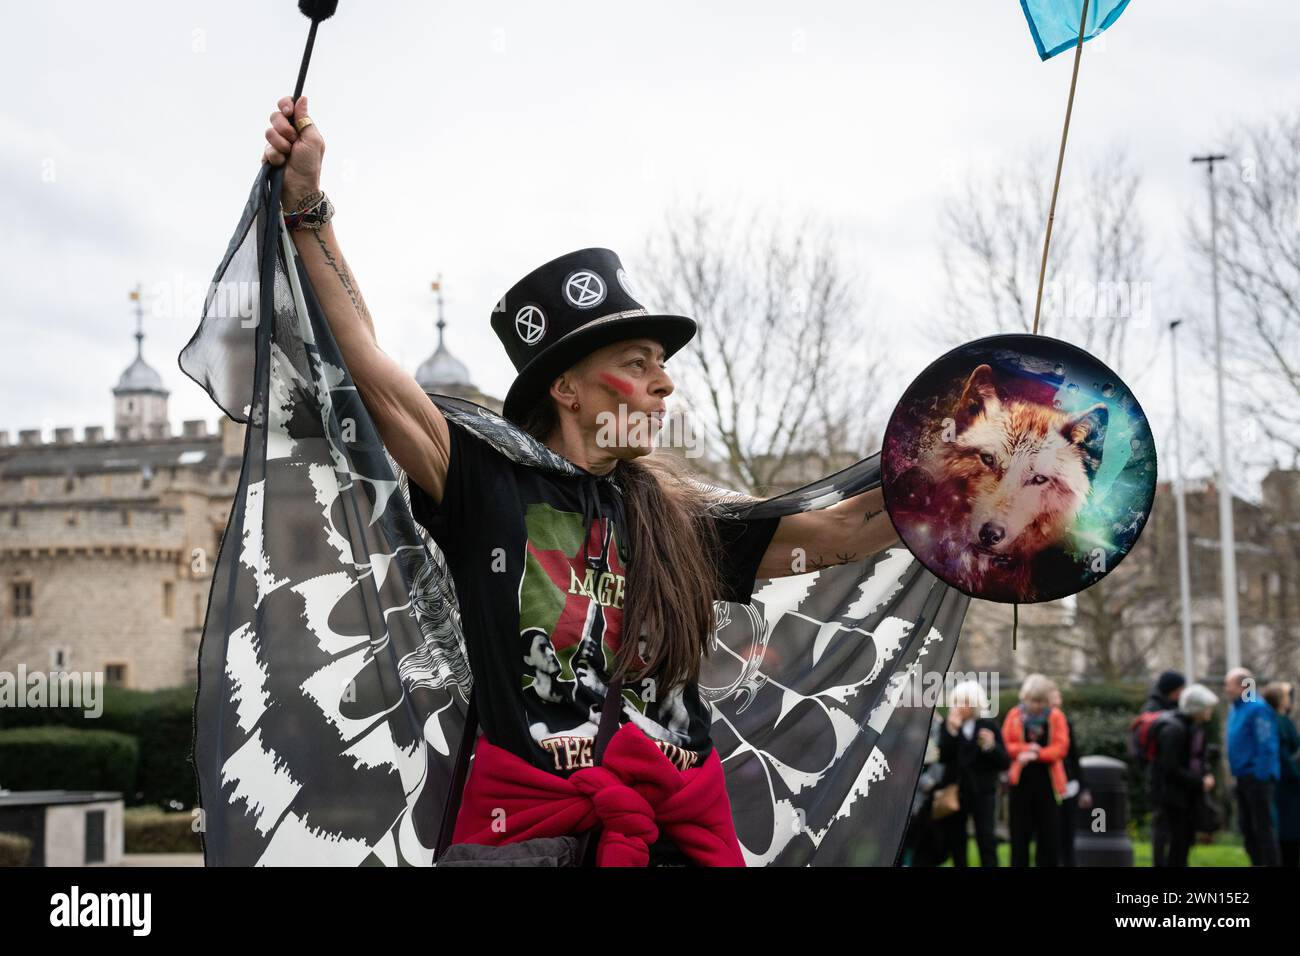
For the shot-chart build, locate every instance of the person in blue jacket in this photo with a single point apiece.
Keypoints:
(1279, 697)
(1253, 760)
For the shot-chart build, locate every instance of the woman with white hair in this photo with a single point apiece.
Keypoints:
(1179, 777)
(973, 756)
(1038, 739)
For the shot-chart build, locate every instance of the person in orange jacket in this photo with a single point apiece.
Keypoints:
(1037, 739)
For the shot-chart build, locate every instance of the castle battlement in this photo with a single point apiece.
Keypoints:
(191, 429)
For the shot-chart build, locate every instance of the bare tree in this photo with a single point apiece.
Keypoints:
(1259, 271)
(782, 374)
(991, 246)
(1122, 619)
(991, 242)
(1095, 296)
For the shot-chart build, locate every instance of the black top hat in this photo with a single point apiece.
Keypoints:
(565, 310)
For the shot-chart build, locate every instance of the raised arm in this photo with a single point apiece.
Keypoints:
(846, 531)
(410, 425)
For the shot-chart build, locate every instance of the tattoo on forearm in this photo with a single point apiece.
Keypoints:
(346, 279)
(819, 563)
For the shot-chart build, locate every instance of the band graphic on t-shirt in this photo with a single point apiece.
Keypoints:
(571, 626)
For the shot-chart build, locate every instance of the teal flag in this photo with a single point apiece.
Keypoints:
(1055, 23)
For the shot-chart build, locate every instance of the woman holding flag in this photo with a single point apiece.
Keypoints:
(555, 574)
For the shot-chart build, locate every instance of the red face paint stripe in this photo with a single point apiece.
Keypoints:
(619, 385)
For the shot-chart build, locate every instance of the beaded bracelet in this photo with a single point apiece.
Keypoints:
(311, 212)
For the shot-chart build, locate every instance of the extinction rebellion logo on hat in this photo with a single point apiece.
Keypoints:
(568, 308)
(530, 323)
(584, 289)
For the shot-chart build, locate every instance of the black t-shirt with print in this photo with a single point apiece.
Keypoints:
(543, 622)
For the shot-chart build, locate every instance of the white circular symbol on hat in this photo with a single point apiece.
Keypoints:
(584, 289)
(626, 284)
(530, 323)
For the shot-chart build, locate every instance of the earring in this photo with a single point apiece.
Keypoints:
(574, 406)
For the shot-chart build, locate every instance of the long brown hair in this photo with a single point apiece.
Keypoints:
(672, 574)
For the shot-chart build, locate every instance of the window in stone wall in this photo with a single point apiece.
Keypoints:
(20, 595)
(115, 674)
(14, 518)
(70, 517)
(169, 600)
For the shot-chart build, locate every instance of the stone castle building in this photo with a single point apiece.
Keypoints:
(107, 543)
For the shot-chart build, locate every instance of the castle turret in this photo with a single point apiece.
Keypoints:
(139, 399)
(444, 374)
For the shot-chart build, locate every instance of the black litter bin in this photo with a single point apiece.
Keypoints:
(1101, 834)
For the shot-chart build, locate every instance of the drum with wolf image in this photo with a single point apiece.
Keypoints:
(1018, 468)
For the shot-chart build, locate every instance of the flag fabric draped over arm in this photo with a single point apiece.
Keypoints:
(1055, 23)
(333, 679)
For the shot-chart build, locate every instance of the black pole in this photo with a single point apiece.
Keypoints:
(316, 11)
(306, 59)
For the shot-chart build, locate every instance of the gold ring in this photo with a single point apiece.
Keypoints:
(303, 123)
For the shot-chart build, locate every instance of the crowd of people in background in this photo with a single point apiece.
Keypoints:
(1033, 753)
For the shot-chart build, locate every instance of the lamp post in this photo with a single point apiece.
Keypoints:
(1227, 542)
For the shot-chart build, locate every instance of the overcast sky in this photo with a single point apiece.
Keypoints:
(480, 140)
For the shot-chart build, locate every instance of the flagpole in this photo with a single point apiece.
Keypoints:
(1051, 217)
(1180, 507)
(1060, 162)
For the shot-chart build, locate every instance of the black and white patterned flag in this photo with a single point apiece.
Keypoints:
(333, 680)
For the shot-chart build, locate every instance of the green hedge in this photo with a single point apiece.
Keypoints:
(64, 758)
(162, 723)
(15, 850)
(154, 830)
(1127, 698)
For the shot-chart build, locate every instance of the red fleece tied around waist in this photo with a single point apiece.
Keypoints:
(634, 792)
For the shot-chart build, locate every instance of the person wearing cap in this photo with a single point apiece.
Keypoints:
(1164, 692)
(1162, 698)
(570, 585)
(1179, 776)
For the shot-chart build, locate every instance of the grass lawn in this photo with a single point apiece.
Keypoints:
(1223, 852)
